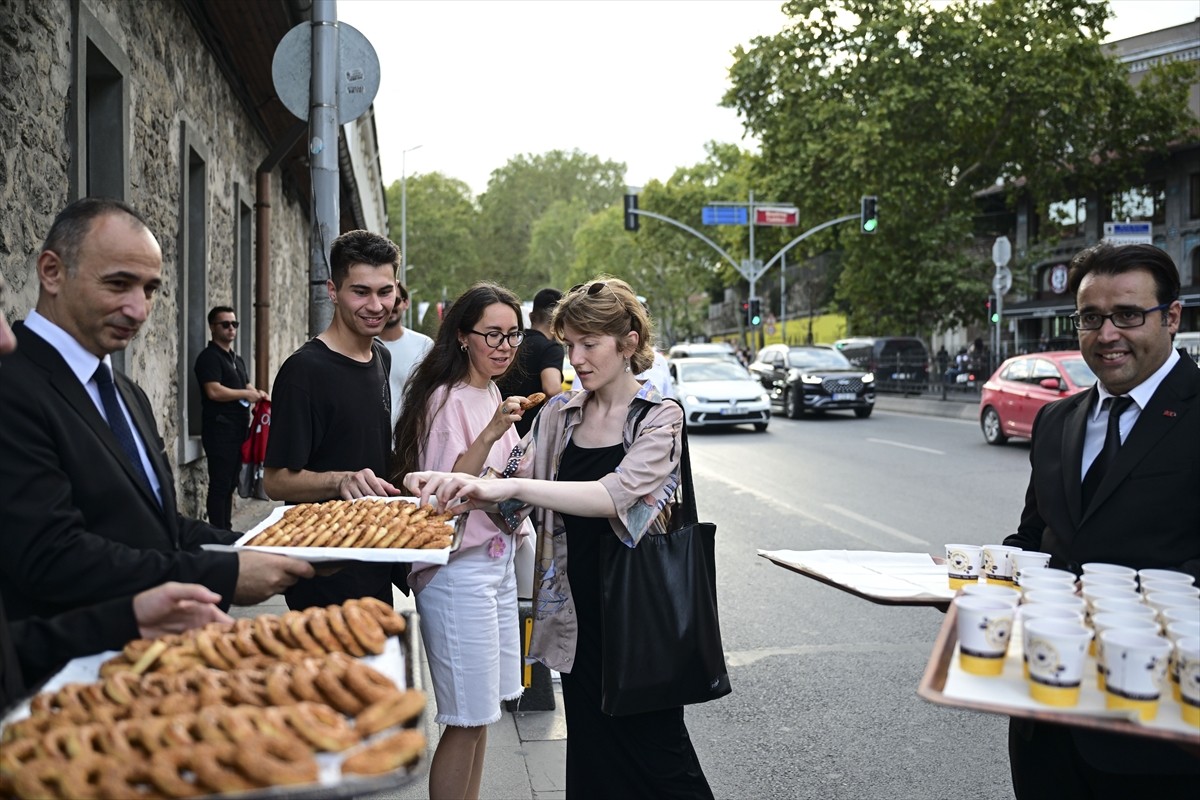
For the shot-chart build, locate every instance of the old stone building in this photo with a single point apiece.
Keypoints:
(169, 105)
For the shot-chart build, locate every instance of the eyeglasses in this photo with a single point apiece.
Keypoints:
(1124, 318)
(593, 289)
(227, 324)
(494, 338)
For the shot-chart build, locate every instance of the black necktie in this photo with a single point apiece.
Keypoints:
(116, 421)
(1112, 443)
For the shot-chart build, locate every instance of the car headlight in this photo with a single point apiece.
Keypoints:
(764, 398)
(693, 399)
(814, 380)
(869, 377)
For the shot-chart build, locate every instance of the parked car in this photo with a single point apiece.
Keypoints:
(813, 379)
(1017, 390)
(719, 392)
(720, 350)
(1189, 341)
(899, 363)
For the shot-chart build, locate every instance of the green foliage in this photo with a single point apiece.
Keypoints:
(525, 189)
(926, 106)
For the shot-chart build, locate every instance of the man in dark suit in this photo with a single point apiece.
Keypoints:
(87, 498)
(1125, 492)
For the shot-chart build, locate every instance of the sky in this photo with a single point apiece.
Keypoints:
(465, 85)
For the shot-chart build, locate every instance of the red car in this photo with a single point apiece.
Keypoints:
(1016, 392)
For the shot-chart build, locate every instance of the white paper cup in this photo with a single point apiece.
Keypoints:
(1100, 579)
(1094, 594)
(1056, 597)
(1031, 611)
(1121, 606)
(984, 629)
(1161, 601)
(1151, 588)
(1177, 632)
(1005, 593)
(1057, 651)
(1165, 576)
(1187, 654)
(997, 563)
(1027, 559)
(1135, 666)
(1033, 578)
(1100, 568)
(964, 563)
(1115, 620)
(1182, 614)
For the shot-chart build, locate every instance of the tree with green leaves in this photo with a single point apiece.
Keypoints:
(525, 189)
(443, 257)
(925, 106)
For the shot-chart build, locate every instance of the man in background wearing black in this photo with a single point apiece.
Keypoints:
(225, 399)
(539, 359)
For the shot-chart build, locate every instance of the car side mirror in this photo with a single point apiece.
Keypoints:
(1053, 384)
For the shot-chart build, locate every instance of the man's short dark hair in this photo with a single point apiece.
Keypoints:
(218, 311)
(543, 304)
(1116, 259)
(73, 223)
(361, 247)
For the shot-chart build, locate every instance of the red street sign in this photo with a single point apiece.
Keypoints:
(776, 216)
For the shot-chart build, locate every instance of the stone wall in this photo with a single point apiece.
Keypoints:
(173, 79)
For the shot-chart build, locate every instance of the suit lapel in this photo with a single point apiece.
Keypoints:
(1072, 455)
(1167, 406)
(146, 430)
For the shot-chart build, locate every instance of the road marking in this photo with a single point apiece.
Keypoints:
(742, 658)
(908, 446)
(879, 526)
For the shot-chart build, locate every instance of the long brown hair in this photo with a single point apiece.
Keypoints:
(446, 364)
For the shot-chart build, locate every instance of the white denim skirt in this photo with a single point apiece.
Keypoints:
(469, 623)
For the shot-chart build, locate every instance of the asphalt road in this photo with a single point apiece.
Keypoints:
(824, 702)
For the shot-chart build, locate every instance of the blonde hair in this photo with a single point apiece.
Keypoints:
(607, 306)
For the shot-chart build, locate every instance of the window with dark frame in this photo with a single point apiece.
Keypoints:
(243, 272)
(192, 281)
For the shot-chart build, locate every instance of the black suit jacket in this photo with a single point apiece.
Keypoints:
(76, 526)
(1145, 513)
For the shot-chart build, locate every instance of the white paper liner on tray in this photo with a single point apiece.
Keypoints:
(1011, 689)
(317, 555)
(891, 576)
(391, 662)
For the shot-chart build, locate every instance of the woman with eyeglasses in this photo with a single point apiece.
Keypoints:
(455, 419)
(596, 471)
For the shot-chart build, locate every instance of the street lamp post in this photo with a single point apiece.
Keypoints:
(407, 322)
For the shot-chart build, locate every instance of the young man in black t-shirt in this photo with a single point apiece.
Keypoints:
(225, 399)
(330, 421)
(539, 359)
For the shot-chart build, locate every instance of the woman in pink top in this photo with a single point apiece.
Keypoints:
(455, 419)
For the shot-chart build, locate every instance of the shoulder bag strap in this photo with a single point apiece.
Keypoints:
(687, 506)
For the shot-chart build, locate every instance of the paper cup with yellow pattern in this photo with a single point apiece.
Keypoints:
(1187, 653)
(1056, 651)
(997, 563)
(963, 564)
(984, 629)
(1135, 670)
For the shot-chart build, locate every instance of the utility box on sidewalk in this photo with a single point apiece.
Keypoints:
(539, 691)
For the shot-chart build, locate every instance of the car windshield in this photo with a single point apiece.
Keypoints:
(818, 359)
(1081, 374)
(723, 371)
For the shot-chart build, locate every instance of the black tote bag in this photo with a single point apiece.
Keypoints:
(659, 624)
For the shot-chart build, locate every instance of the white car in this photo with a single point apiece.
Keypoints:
(719, 392)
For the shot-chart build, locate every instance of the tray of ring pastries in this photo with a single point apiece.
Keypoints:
(380, 529)
(310, 704)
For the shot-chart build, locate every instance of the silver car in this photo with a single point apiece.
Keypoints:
(719, 392)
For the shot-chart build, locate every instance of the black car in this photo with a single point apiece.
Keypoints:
(814, 380)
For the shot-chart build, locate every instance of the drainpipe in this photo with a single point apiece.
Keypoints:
(262, 254)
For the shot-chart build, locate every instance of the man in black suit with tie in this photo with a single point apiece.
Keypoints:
(1116, 478)
(87, 498)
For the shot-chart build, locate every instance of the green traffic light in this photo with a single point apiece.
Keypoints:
(870, 225)
(995, 317)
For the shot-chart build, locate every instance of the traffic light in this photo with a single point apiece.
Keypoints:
(755, 312)
(631, 218)
(993, 317)
(746, 312)
(870, 214)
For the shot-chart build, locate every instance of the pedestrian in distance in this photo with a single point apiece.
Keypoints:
(538, 367)
(87, 496)
(330, 432)
(226, 396)
(455, 419)
(1115, 476)
(597, 470)
(405, 346)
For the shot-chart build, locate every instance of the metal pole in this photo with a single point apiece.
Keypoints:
(783, 301)
(407, 322)
(323, 152)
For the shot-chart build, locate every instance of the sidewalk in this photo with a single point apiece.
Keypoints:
(526, 750)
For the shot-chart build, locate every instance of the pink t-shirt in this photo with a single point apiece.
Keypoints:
(453, 426)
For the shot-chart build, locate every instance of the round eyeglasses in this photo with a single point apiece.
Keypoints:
(1123, 318)
(494, 338)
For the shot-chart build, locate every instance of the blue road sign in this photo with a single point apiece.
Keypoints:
(724, 215)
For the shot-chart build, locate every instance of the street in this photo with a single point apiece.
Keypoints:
(824, 701)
